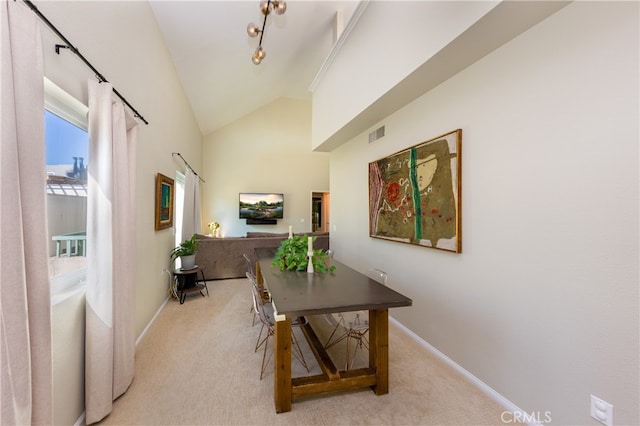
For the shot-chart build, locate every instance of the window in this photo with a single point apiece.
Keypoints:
(179, 207)
(67, 157)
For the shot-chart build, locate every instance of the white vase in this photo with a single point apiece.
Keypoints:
(188, 262)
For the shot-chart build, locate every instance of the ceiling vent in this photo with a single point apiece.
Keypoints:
(376, 134)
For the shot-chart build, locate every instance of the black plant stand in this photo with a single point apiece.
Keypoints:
(188, 281)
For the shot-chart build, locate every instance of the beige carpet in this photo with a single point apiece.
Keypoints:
(197, 366)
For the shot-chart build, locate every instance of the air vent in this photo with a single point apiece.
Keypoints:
(376, 134)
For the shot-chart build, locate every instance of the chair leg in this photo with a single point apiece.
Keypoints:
(360, 340)
(263, 341)
(264, 354)
(296, 350)
(330, 343)
(347, 354)
(352, 357)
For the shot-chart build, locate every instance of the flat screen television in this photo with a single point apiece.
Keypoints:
(259, 205)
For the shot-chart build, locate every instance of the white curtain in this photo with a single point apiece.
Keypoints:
(25, 307)
(110, 334)
(191, 210)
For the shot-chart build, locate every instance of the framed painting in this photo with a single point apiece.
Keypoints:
(164, 202)
(414, 194)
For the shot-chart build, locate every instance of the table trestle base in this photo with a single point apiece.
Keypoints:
(332, 380)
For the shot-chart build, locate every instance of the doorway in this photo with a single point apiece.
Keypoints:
(320, 212)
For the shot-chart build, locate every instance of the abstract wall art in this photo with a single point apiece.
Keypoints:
(414, 194)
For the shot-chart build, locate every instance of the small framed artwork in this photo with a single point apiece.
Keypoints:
(164, 202)
(414, 194)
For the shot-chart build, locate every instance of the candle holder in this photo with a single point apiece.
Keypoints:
(310, 264)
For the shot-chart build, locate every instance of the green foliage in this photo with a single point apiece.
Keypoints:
(292, 256)
(186, 248)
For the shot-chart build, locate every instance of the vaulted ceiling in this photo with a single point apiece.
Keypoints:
(212, 52)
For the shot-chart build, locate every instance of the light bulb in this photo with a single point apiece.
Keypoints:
(280, 6)
(253, 30)
(266, 7)
(258, 55)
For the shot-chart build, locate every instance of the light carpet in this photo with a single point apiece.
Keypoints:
(197, 366)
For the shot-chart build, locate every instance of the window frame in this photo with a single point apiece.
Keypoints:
(68, 108)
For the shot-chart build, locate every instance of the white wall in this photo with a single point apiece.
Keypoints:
(68, 329)
(542, 303)
(265, 151)
(122, 41)
(395, 35)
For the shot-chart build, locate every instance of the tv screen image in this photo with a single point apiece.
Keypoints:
(255, 205)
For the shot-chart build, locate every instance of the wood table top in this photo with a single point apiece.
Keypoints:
(300, 293)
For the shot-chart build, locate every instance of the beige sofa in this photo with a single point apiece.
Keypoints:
(222, 257)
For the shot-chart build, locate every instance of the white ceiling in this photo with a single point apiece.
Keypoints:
(211, 50)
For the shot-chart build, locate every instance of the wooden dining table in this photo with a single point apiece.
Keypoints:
(299, 293)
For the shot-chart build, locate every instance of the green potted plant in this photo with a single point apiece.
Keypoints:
(186, 251)
(292, 255)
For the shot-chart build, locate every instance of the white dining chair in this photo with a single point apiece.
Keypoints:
(264, 312)
(353, 326)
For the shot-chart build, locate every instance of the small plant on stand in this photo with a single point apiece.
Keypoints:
(186, 251)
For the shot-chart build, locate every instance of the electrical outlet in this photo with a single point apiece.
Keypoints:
(602, 411)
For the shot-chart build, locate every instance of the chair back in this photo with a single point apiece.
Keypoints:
(259, 306)
(379, 275)
(251, 274)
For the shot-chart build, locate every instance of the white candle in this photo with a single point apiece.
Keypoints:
(290, 232)
(310, 249)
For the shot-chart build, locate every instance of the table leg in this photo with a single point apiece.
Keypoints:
(282, 364)
(259, 278)
(379, 349)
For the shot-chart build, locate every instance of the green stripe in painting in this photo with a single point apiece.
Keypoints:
(415, 190)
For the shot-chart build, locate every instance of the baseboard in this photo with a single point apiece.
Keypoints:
(139, 339)
(80, 421)
(509, 406)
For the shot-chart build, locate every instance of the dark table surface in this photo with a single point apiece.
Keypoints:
(345, 289)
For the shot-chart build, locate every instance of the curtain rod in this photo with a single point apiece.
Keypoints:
(188, 165)
(75, 50)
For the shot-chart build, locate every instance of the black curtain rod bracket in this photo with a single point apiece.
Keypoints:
(188, 165)
(67, 45)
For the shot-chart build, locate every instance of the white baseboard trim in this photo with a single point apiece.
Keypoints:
(81, 419)
(139, 339)
(510, 407)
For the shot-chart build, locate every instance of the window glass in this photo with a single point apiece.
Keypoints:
(67, 158)
(178, 207)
